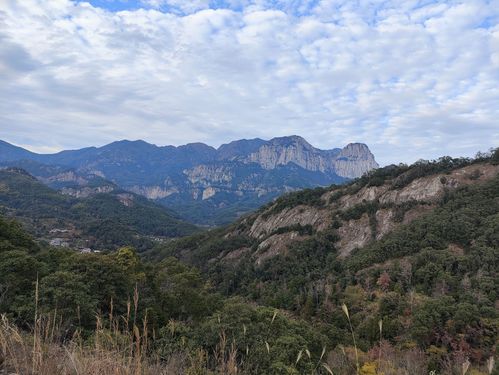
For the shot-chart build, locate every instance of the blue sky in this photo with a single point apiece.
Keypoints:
(412, 79)
(186, 7)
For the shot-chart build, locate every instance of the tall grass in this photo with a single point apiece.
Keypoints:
(112, 348)
(120, 345)
(345, 310)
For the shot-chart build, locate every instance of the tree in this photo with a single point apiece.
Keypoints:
(66, 293)
(384, 281)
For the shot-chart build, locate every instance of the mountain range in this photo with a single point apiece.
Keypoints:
(203, 184)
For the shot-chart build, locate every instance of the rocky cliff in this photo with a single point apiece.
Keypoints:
(357, 214)
(352, 161)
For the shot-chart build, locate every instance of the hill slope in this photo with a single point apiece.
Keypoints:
(413, 246)
(102, 220)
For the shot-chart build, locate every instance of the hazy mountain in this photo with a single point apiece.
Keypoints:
(205, 185)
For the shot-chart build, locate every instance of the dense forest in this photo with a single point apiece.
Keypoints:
(422, 299)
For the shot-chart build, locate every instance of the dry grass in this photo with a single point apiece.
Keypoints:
(120, 346)
(110, 350)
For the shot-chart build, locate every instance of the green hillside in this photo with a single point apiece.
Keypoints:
(185, 316)
(433, 282)
(105, 220)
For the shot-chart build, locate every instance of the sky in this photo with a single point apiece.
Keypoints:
(410, 78)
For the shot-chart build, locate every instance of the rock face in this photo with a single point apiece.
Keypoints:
(354, 160)
(294, 149)
(86, 191)
(208, 185)
(152, 192)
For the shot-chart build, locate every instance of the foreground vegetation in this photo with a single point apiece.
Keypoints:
(421, 300)
(65, 312)
(433, 283)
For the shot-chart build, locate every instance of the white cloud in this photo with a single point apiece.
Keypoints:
(411, 81)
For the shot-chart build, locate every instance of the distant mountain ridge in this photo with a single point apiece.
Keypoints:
(205, 185)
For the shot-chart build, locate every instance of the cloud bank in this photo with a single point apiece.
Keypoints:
(410, 78)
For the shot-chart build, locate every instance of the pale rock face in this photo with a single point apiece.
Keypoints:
(423, 189)
(153, 192)
(69, 176)
(208, 193)
(424, 192)
(303, 215)
(367, 194)
(86, 192)
(125, 199)
(354, 160)
(385, 222)
(205, 175)
(297, 151)
(96, 172)
(276, 245)
(353, 234)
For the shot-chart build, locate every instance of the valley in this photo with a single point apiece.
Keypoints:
(249, 187)
(103, 220)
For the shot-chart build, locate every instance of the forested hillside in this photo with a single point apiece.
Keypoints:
(190, 327)
(424, 260)
(102, 221)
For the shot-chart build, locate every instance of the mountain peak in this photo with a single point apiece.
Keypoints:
(356, 146)
(290, 140)
(239, 148)
(354, 160)
(356, 150)
(125, 143)
(198, 147)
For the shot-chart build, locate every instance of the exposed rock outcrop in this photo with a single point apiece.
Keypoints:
(302, 215)
(354, 160)
(395, 206)
(206, 175)
(86, 191)
(153, 192)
